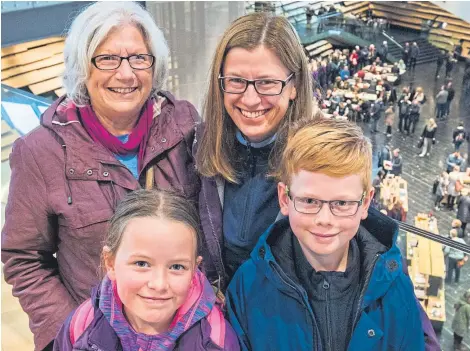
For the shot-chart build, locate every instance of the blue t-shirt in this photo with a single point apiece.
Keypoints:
(130, 161)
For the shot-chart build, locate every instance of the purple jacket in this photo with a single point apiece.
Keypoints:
(63, 190)
(100, 335)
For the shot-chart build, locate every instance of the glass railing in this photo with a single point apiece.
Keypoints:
(438, 271)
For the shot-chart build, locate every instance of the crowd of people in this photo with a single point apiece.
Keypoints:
(196, 223)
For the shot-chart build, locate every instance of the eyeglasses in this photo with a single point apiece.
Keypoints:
(110, 62)
(269, 87)
(339, 208)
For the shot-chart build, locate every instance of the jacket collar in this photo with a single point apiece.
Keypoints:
(82, 155)
(380, 257)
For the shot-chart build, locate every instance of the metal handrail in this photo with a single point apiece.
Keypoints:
(435, 237)
(392, 40)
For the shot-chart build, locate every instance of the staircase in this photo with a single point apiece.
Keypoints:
(427, 52)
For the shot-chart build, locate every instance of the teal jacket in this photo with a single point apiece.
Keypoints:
(271, 311)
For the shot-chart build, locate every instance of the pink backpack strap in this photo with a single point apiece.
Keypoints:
(217, 322)
(81, 319)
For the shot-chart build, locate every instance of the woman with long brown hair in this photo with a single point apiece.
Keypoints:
(259, 84)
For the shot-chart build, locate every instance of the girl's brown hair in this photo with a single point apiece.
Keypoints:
(151, 203)
(216, 150)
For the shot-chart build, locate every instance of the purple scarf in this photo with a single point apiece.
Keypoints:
(198, 305)
(137, 140)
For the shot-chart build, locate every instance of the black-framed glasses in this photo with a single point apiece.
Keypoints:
(110, 62)
(237, 85)
(339, 208)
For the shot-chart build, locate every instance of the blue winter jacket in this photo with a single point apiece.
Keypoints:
(271, 311)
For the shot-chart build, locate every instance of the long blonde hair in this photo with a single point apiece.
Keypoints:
(431, 124)
(216, 150)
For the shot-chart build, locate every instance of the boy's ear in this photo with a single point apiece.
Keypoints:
(366, 203)
(109, 263)
(283, 198)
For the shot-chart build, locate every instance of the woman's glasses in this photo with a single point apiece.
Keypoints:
(110, 62)
(269, 87)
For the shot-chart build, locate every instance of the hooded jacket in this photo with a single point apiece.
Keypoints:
(64, 189)
(211, 208)
(190, 331)
(461, 322)
(270, 310)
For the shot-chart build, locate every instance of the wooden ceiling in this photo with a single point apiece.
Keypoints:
(37, 65)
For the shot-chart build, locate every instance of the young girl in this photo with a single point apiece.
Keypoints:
(153, 296)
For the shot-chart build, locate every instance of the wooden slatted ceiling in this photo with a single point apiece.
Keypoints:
(36, 76)
(53, 60)
(412, 13)
(37, 65)
(32, 55)
(14, 49)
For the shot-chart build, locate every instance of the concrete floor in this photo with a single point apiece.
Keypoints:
(420, 173)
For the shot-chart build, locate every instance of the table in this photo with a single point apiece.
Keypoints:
(425, 261)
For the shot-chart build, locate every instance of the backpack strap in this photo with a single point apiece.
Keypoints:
(81, 319)
(217, 322)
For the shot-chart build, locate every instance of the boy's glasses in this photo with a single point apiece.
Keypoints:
(339, 208)
(111, 62)
(269, 87)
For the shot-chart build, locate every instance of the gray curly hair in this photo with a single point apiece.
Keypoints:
(91, 27)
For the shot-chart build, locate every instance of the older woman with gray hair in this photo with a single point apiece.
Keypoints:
(114, 132)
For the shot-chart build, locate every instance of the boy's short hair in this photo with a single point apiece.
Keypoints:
(456, 223)
(328, 146)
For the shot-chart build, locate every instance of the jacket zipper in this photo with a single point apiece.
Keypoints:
(316, 340)
(329, 341)
(252, 168)
(363, 291)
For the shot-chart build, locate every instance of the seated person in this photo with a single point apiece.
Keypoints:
(329, 276)
(338, 83)
(329, 94)
(332, 107)
(361, 74)
(344, 73)
(342, 110)
(402, 65)
(346, 83)
(395, 69)
(374, 69)
(335, 96)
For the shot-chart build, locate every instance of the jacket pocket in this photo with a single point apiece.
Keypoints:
(86, 219)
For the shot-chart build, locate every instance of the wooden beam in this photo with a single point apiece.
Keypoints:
(412, 10)
(59, 58)
(6, 153)
(14, 49)
(60, 92)
(316, 45)
(9, 138)
(5, 127)
(32, 55)
(36, 76)
(45, 86)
